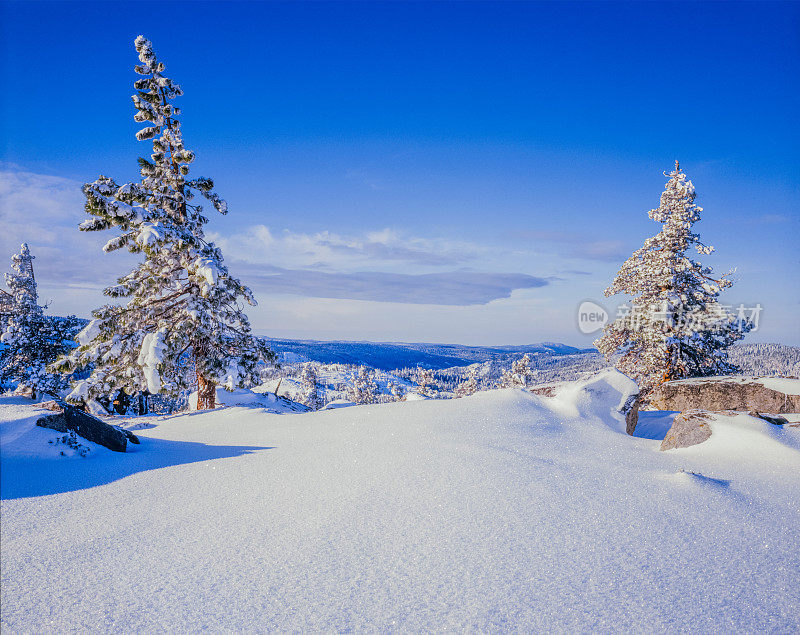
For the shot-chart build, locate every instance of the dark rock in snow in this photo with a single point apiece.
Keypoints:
(722, 393)
(85, 425)
(129, 435)
(777, 421)
(631, 412)
(54, 422)
(688, 428)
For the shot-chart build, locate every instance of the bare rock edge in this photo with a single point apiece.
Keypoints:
(70, 418)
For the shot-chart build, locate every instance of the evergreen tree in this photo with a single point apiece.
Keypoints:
(470, 384)
(363, 390)
(519, 375)
(310, 394)
(398, 392)
(32, 339)
(675, 327)
(184, 307)
(424, 378)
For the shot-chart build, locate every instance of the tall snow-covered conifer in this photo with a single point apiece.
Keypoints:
(184, 307)
(675, 327)
(32, 339)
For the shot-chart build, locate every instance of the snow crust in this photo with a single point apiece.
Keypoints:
(782, 384)
(495, 512)
(786, 385)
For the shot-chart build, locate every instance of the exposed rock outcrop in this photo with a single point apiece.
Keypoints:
(728, 393)
(89, 427)
(688, 428)
(631, 412)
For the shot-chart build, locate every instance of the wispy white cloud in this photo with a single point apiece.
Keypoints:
(386, 265)
(44, 211)
(387, 248)
(453, 288)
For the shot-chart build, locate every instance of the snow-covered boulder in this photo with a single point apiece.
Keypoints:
(236, 397)
(242, 397)
(338, 403)
(762, 394)
(730, 431)
(608, 393)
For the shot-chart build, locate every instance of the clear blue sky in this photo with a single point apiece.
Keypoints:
(396, 171)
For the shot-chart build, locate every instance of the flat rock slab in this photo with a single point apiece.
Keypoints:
(765, 394)
(688, 429)
(85, 425)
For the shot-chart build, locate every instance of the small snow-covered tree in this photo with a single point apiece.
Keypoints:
(398, 392)
(425, 379)
(363, 389)
(183, 304)
(469, 386)
(519, 375)
(675, 327)
(309, 392)
(32, 339)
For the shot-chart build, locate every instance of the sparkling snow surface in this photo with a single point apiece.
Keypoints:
(500, 511)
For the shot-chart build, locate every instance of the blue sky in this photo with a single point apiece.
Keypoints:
(453, 172)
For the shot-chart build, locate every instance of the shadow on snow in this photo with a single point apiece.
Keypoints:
(23, 477)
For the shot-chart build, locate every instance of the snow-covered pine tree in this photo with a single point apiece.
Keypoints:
(310, 394)
(519, 375)
(32, 339)
(363, 390)
(398, 392)
(675, 327)
(470, 384)
(425, 379)
(184, 306)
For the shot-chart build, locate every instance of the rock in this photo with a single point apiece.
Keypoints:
(51, 405)
(56, 422)
(727, 393)
(130, 435)
(544, 390)
(776, 421)
(87, 426)
(631, 412)
(688, 428)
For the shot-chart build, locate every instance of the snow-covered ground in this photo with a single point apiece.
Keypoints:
(500, 511)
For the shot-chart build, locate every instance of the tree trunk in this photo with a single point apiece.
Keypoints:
(206, 393)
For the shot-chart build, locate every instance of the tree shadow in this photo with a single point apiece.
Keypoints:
(654, 424)
(24, 477)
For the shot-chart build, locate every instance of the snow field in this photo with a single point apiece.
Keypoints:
(499, 511)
